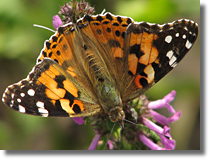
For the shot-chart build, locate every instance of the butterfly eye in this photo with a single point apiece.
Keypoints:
(121, 115)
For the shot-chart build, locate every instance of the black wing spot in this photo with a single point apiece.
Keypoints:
(76, 109)
(48, 44)
(44, 53)
(50, 54)
(65, 47)
(108, 16)
(108, 29)
(58, 53)
(143, 82)
(117, 33)
(98, 31)
(119, 19)
(54, 39)
(59, 79)
(99, 18)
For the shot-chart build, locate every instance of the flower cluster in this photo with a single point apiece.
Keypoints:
(144, 127)
(71, 12)
(146, 134)
(74, 10)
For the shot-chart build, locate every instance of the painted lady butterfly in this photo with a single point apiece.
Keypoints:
(98, 64)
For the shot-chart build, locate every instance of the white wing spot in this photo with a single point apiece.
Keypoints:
(186, 28)
(19, 100)
(22, 94)
(31, 92)
(22, 86)
(172, 60)
(174, 65)
(21, 109)
(6, 91)
(3, 98)
(168, 39)
(43, 112)
(40, 104)
(184, 36)
(170, 54)
(188, 44)
(41, 109)
(12, 95)
(12, 103)
(177, 34)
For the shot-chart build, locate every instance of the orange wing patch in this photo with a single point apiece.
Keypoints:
(76, 107)
(56, 82)
(108, 30)
(59, 89)
(149, 51)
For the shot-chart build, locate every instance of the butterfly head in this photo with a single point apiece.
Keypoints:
(117, 115)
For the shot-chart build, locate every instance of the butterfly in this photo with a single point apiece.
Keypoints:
(98, 64)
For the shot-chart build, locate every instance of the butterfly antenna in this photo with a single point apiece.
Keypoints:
(109, 136)
(146, 128)
(104, 10)
(39, 26)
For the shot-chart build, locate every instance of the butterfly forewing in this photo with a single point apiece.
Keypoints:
(151, 51)
(107, 32)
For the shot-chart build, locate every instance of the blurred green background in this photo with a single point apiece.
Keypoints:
(21, 43)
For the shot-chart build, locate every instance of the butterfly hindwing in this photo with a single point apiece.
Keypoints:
(49, 91)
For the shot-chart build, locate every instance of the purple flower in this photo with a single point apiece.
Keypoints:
(74, 10)
(78, 120)
(149, 143)
(164, 132)
(57, 22)
(164, 102)
(162, 119)
(94, 142)
(110, 143)
(159, 140)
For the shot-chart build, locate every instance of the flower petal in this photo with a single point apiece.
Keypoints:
(159, 118)
(170, 97)
(164, 102)
(170, 108)
(94, 142)
(78, 120)
(111, 146)
(168, 143)
(174, 117)
(149, 143)
(164, 120)
(57, 22)
(151, 125)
